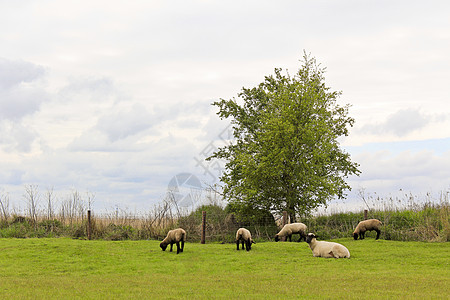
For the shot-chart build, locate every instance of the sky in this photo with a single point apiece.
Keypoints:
(112, 99)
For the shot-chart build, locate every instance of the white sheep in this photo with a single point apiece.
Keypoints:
(243, 235)
(174, 236)
(326, 249)
(367, 225)
(290, 229)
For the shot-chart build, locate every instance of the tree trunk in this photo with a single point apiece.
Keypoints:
(292, 217)
(291, 211)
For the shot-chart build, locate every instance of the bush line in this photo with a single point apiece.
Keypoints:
(427, 223)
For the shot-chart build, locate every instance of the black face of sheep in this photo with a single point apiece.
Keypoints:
(163, 246)
(355, 236)
(310, 237)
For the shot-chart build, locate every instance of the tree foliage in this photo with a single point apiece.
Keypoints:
(286, 154)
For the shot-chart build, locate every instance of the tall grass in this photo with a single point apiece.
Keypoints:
(406, 219)
(427, 223)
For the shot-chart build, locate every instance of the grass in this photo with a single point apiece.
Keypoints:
(415, 222)
(64, 268)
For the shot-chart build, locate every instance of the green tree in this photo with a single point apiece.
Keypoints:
(286, 154)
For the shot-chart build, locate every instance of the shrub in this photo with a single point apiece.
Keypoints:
(119, 232)
(429, 222)
(260, 222)
(16, 230)
(216, 226)
(51, 226)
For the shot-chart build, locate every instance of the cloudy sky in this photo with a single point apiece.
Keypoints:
(113, 98)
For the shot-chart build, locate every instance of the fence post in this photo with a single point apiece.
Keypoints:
(203, 227)
(284, 222)
(365, 214)
(89, 224)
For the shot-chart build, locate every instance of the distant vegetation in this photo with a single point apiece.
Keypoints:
(412, 222)
(427, 223)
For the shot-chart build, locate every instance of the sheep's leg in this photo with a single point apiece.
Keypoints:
(178, 247)
(237, 245)
(248, 245)
(242, 244)
(182, 246)
(290, 237)
(171, 246)
(361, 235)
(378, 233)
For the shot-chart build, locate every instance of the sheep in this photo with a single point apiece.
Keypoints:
(367, 225)
(326, 249)
(244, 235)
(289, 229)
(174, 236)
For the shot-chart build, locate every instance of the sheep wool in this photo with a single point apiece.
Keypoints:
(175, 236)
(289, 229)
(367, 225)
(326, 249)
(243, 235)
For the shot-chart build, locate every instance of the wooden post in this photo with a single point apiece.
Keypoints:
(89, 224)
(284, 222)
(203, 227)
(365, 214)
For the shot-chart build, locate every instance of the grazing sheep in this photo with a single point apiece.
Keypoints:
(243, 235)
(367, 225)
(326, 249)
(289, 229)
(174, 236)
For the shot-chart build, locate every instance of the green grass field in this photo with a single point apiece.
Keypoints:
(69, 269)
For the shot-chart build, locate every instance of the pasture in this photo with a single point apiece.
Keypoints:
(62, 268)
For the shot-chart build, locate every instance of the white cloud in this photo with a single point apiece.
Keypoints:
(115, 98)
(125, 123)
(18, 94)
(16, 137)
(414, 167)
(400, 123)
(13, 73)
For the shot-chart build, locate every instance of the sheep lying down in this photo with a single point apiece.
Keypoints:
(175, 236)
(326, 249)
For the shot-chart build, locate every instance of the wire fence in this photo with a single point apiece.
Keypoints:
(429, 222)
